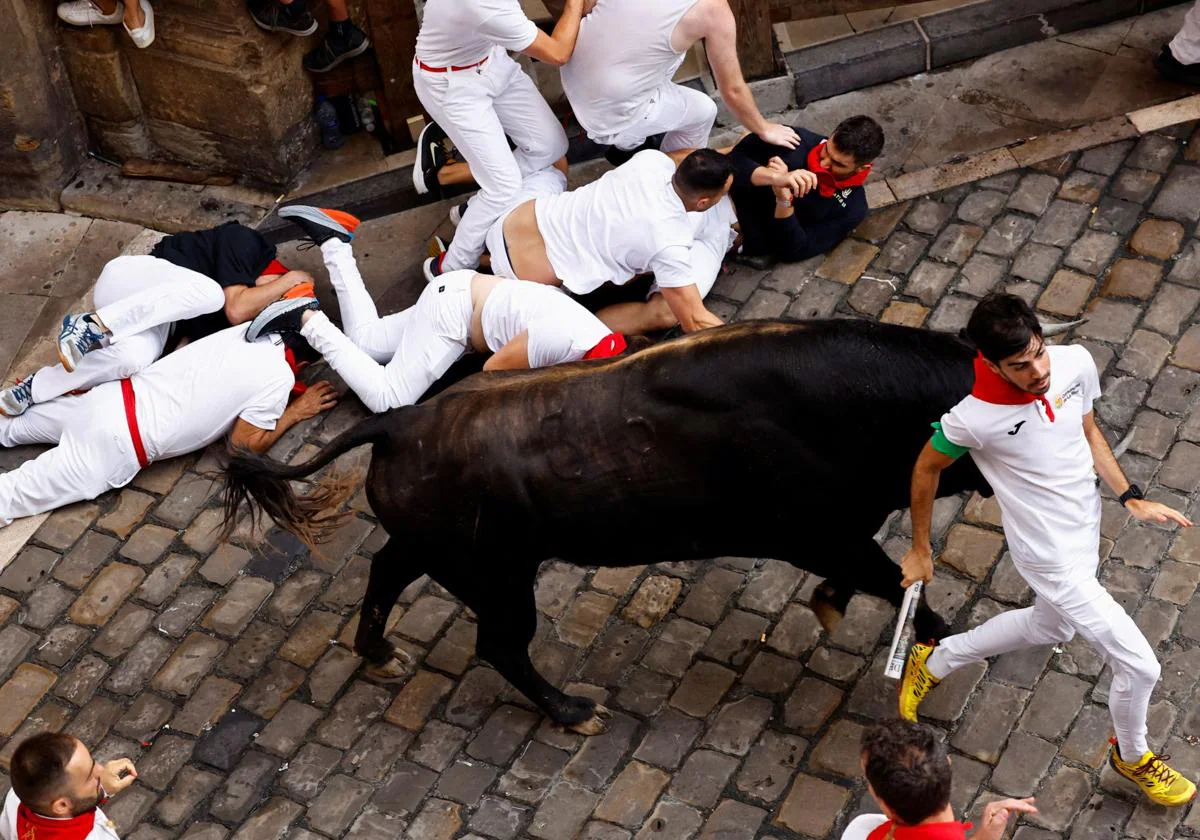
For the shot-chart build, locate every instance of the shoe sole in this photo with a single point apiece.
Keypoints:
(427, 269)
(320, 217)
(4, 413)
(437, 247)
(272, 311)
(65, 360)
(297, 32)
(354, 53)
(456, 215)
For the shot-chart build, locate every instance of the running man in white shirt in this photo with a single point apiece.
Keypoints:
(58, 788)
(179, 404)
(619, 78)
(1029, 426)
(633, 220)
(390, 362)
(479, 97)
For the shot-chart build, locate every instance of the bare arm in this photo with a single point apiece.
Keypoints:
(1110, 471)
(918, 562)
(320, 397)
(688, 308)
(555, 49)
(512, 356)
(243, 303)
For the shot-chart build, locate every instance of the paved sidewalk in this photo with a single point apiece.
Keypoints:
(222, 668)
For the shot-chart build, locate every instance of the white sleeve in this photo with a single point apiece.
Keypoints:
(1091, 380)
(672, 267)
(269, 403)
(509, 27)
(8, 819)
(954, 427)
(860, 827)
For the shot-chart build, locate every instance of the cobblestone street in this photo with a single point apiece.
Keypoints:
(224, 670)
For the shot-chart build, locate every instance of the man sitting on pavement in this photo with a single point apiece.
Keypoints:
(390, 362)
(908, 775)
(793, 204)
(58, 788)
(1179, 59)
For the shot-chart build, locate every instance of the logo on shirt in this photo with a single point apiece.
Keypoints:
(1066, 395)
(1016, 428)
(842, 195)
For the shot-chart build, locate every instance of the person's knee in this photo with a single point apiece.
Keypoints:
(1143, 668)
(706, 110)
(212, 296)
(658, 315)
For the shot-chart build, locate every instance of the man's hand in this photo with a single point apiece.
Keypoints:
(780, 135)
(917, 565)
(1144, 510)
(116, 775)
(995, 817)
(804, 181)
(319, 397)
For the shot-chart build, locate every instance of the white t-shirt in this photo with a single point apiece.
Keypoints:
(622, 56)
(190, 398)
(560, 330)
(1042, 471)
(455, 33)
(860, 827)
(93, 825)
(628, 222)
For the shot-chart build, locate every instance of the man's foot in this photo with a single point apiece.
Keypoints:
(87, 13)
(143, 34)
(340, 43)
(433, 267)
(282, 316)
(431, 156)
(79, 335)
(320, 225)
(457, 212)
(1174, 70)
(273, 16)
(917, 681)
(1157, 779)
(15, 399)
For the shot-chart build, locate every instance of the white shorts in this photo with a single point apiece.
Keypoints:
(715, 235)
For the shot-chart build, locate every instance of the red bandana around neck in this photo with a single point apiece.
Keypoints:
(33, 825)
(827, 182)
(299, 387)
(993, 388)
(926, 831)
(612, 344)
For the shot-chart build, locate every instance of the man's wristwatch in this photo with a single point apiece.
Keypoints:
(1134, 492)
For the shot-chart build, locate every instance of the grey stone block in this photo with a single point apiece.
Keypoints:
(772, 96)
(857, 61)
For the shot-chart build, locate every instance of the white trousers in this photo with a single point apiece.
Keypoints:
(1068, 602)
(94, 452)
(684, 114)
(137, 298)
(479, 109)
(1185, 46)
(548, 181)
(390, 362)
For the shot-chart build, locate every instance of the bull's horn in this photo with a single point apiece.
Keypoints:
(1049, 328)
(1123, 447)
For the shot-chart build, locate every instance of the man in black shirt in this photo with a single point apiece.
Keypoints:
(793, 204)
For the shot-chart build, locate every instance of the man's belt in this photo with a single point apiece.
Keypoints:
(451, 68)
(131, 418)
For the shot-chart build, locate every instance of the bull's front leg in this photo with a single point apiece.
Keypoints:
(389, 577)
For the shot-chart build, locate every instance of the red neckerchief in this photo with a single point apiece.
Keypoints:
(827, 182)
(993, 388)
(927, 831)
(612, 344)
(37, 827)
(273, 267)
(298, 387)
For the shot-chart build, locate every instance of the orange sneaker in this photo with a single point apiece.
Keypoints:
(319, 224)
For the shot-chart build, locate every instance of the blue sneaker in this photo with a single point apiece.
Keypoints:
(15, 399)
(282, 316)
(79, 335)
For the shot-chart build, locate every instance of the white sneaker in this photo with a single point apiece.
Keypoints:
(143, 36)
(87, 13)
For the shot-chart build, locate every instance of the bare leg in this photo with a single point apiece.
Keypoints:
(337, 10)
(459, 172)
(134, 17)
(635, 318)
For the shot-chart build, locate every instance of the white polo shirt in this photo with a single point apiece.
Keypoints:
(560, 329)
(456, 33)
(628, 222)
(1042, 471)
(18, 823)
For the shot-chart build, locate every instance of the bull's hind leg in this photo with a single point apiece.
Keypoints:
(389, 577)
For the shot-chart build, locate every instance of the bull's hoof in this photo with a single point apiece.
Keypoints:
(595, 725)
(398, 667)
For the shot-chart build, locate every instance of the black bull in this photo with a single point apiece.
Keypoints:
(793, 441)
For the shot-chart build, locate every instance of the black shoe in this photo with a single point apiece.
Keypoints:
(274, 16)
(282, 316)
(431, 156)
(617, 156)
(320, 225)
(1174, 70)
(336, 48)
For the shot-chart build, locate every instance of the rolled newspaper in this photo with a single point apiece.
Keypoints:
(902, 638)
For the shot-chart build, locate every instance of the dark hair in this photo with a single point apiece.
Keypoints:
(703, 173)
(39, 768)
(301, 349)
(860, 136)
(1001, 326)
(908, 769)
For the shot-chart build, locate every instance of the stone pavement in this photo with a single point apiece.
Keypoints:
(223, 670)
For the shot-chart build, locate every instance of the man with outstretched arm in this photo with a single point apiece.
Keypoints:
(1029, 425)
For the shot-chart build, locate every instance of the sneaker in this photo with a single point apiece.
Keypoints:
(456, 213)
(1157, 779)
(917, 681)
(87, 13)
(431, 156)
(433, 267)
(282, 316)
(274, 16)
(436, 247)
(16, 399)
(1174, 70)
(79, 335)
(320, 225)
(143, 36)
(336, 48)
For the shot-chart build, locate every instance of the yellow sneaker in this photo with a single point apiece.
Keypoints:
(917, 681)
(1155, 777)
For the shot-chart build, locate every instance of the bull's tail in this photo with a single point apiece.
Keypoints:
(265, 483)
